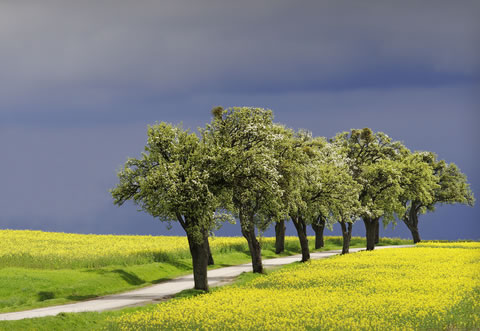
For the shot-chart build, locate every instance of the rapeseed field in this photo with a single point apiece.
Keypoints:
(56, 250)
(435, 286)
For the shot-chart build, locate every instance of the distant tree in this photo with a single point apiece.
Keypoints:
(379, 197)
(342, 203)
(330, 192)
(419, 184)
(428, 182)
(171, 181)
(292, 152)
(374, 163)
(315, 180)
(284, 146)
(244, 168)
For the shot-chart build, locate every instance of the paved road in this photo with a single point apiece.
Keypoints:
(164, 290)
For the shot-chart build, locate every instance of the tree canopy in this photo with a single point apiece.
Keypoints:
(428, 182)
(373, 159)
(171, 181)
(241, 145)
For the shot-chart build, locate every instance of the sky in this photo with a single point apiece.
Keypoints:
(81, 80)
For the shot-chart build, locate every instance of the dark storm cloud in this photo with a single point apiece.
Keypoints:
(80, 80)
(96, 56)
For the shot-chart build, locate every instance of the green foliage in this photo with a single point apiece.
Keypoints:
(381, 190)
(418, 179)
(428, 182)
(454, 187)
(243, 167)
(171, 180)
(419, 184)
(290, 151)
(315, 178)
(374, 160)
(335, 193)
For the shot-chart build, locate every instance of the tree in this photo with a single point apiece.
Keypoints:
(303, 172)
(339, 195)
(379, 197)
(429, 182)
(288, 153)
(295, 152)
(171, 181)
(244, 168)
(315, 181)
(343, 203)
(374, 163)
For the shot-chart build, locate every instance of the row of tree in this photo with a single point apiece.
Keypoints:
(243, 165)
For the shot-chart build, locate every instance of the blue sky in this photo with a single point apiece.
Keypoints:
(80, 81)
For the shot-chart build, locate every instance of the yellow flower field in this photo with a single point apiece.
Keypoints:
(38, 249)
(434, 288)
(469, 244)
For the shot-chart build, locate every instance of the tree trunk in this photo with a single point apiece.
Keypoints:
(377, 233)
(210, 257)
(248, 231)
(302, 236)
(347, 236)
(318, 227)
(199, 252)
(280, 236)
(415, 234)
(371, 229)
(411, 221)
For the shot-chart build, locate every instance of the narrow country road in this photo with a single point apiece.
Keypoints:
(164, 290)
